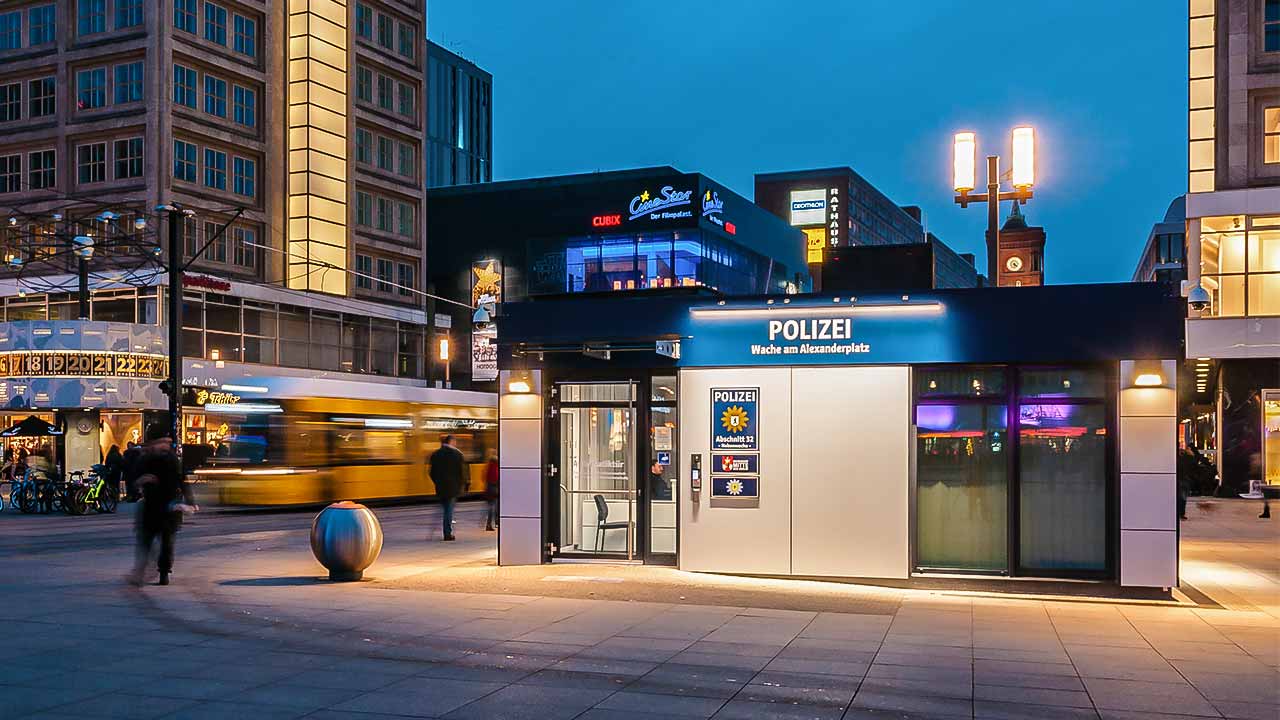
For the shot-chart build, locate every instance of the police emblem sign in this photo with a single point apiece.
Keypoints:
(735, 413)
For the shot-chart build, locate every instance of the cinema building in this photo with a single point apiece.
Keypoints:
(889, 436)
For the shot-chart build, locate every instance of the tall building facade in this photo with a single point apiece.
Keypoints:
(459, 140)
(1164, 257)
(1233, 229)
(1020, 257)
(300, 123)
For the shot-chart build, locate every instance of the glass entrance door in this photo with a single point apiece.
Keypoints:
(597, 492)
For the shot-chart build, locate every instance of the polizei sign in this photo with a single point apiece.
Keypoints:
(832, 336)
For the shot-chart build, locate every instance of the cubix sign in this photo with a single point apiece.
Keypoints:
(734, 418)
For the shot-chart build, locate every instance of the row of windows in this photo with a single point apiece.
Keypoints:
(41, 21)
(244, 171)
(391, 95)
(92, 164)
(92, 91)
(243, 29)
(237, 246)
(392, 34)
(244, 101)
(384, 214)
(40, 96)
(376, 274)
(387, 154)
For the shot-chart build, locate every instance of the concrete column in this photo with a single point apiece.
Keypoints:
(520, 442)
(81, 442)
(1147, 443)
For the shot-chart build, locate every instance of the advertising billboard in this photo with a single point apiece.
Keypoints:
(808, 207)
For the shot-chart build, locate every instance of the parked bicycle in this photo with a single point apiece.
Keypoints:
(91, 491)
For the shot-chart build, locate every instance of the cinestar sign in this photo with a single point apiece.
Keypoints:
(657, 207)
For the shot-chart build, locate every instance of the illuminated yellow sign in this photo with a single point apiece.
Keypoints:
(815, 241)
(83, 363)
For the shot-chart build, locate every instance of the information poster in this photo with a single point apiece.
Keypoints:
(735, 413)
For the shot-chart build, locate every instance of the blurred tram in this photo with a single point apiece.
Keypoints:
(313, 443)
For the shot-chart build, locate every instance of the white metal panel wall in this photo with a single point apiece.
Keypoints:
(520, 461)
(850, 469)
(737, 539)
(1148, 482)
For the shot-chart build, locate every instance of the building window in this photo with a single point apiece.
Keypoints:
(10, 173)
(246, 36)
(386, 94)
(42, 21)
(184, 15)
(384, 153)
(128, 13)
(404, 274)
(364, 21)
(404, 219)
(1240, 265)
(216, 251)
(184, 161)
(364, 209)
(364, 143)
(364, 84)
(215, 169)
(408, 101)
(215, 23)
(245, 252)
(246, 106)
(1271, 135)
(11, 30)
(91, 163)
(10, 102)
(91, 16)
(128, 158)
(1271, 26)
(404, 163)
(384, 214)
(42, 169)
(184, 86)
(364, 272)
(244, 177)
(384, 275)
(40, 97)
(128, 85)
(406, 33)
(91, 88)
(215, 96)
(385, 28)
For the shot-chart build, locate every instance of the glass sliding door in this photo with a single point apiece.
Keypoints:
(962, 470)
(598, 469)
(662, 472)
(1063, 510)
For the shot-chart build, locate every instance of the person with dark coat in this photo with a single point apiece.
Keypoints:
(491, 479)
(165, 497)
(129, 469)
(114, 464)
(447, 470)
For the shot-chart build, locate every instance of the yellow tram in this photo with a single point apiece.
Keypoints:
(310, 449)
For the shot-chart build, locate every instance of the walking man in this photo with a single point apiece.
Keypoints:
(447, 470)
(165, 497)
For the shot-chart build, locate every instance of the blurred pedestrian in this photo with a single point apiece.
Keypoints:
(129, 470)
(165, 497)
(447, 470)
(114, 464)
(491, 477)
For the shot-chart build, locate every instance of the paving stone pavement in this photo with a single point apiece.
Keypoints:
(248, 631)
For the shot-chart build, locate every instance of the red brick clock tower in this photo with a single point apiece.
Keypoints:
(1021, 252)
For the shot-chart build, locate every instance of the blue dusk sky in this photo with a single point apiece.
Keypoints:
(732, 88)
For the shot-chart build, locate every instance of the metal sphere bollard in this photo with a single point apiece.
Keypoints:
(346, 538)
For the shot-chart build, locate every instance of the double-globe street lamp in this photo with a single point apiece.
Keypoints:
(1022, 176)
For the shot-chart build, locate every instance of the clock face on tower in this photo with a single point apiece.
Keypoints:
(1013, 264)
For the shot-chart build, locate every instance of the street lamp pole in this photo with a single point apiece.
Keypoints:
(964, 181)
(83, 272)
(176, 217)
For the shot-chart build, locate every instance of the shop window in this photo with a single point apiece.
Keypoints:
(1062, 474)
(383, 347)
(355, 344)
(114, 310)
(1240, 265)
(411, 340)
(1062, 383)
(959, 382)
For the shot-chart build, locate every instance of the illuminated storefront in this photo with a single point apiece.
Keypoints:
(889, 436)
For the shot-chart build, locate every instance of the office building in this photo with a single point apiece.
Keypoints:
(1164, 256)
(459, 144)
(927, 265)
(300, 126)
(1233, 230)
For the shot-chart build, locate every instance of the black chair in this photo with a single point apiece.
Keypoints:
(602, 522)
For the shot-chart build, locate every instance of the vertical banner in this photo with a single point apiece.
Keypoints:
(486, 292)
(734, 417)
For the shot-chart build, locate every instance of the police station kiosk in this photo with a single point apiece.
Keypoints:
(1000, 432)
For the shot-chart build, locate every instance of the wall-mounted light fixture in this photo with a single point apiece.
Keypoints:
(521, 383)
(1148, 373)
